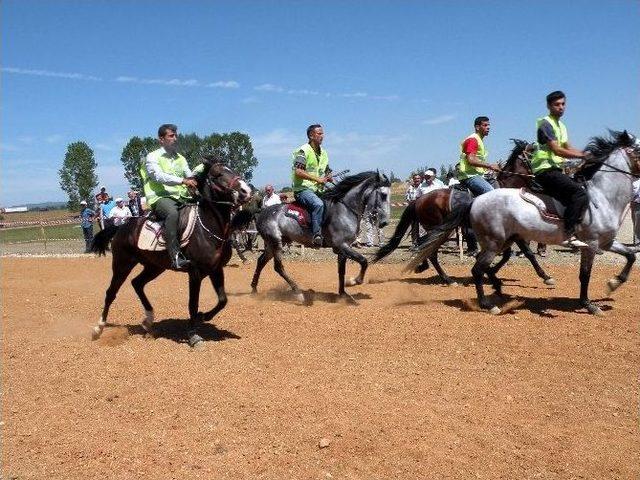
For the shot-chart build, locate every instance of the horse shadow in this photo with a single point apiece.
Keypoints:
(538, 306)
(436, 280)
(311, 296)
(174, 329)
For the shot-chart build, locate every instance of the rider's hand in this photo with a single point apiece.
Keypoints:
(322, 180)
(495, 168)
(190, 182)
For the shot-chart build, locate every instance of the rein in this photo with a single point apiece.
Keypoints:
(210, 234)
(614, 169)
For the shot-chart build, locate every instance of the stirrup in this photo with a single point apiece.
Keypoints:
(179, 262)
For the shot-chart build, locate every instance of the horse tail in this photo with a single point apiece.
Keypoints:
(407, 218)
(101, 240)
(438, 235)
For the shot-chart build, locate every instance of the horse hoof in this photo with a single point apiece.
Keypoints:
(196, 341)
(549, 281)
(613, 284)
(299, 297)
(351, 282)
(95, 333)
(595, 310)
(495, 310)
(453, 284)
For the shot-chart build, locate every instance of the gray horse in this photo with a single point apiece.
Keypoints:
(344, 206)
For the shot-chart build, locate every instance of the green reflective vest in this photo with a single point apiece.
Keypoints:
(466, 169)
(315, 166)
(544, 158)
(153, 190)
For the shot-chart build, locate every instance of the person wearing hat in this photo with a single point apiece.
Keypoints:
(120, 213)
(430, 182)
(86, 222)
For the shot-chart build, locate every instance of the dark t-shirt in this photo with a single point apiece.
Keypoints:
(545, 133)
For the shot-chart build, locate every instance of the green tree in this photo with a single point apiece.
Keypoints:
(235, 149)
(133, 155)
(78, 174)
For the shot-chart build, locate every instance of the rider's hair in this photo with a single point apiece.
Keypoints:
(478, 121)
(165, 127)
(553, 96)
(311, 128)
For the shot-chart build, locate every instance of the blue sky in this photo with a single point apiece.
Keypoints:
(396, 84)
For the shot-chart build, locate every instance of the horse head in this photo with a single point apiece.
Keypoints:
(219, 183)
(378, 201)
(632, 149)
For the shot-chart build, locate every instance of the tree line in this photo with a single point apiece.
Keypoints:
(78, 177)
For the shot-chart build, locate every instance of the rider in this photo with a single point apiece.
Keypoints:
(473, 165)
(166, 181)
(473, 159)
(310, 172)
(549, 159)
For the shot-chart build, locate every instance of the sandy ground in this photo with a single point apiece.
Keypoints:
(410, 383)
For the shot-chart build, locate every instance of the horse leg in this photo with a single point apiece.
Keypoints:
(443, 275)
(121, 270)
(483, 262)
(263, 259)
(630, 255)
(349, 253)
(586, 263)
(195, 281)
(148, 274)
(524, 247)
(422, 267)
(279, 268)
(492, 272)
(217, 280)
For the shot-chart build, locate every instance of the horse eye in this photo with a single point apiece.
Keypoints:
(383, 196)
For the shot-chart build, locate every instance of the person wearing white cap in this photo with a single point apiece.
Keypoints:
(430, 182)
(86, 222)
(120, 213)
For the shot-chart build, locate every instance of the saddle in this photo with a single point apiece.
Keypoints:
(548, 206)
(151, 236)
(299, 213)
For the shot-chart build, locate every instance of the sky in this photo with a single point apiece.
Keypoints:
(395, 84)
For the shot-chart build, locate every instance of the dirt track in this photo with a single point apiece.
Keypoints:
(409, 384)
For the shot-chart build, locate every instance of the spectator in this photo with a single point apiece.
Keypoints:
(120, 213)
(135, 205)
(103, 210)
(412, 193)
(452, 177)
(270, 198)
(102, 196)
(284, 198)
(430, 182)
(86, 222)
(373, 234)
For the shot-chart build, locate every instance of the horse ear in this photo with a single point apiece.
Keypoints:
(378, 179)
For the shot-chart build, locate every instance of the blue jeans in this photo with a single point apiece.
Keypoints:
(478, 185)
(314, 205)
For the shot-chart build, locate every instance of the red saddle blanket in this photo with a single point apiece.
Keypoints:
(297, 211)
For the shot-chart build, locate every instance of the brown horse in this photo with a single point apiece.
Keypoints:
(209, 248)
(435, 209)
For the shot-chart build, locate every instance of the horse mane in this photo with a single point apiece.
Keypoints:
(518, 148)
(601, 148)
(344, 186)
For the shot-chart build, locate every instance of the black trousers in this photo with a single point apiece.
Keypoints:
(568, 192)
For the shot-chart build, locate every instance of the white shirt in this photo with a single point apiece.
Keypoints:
(119, 214)
(412, 193)
(453, 181)
(426, 187)
(636, 191)
(273, 199)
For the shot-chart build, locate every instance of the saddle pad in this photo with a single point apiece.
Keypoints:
(151, 235)
(548, 206)
(296, 211)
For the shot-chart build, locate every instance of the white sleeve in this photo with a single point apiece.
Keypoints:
(156, 173)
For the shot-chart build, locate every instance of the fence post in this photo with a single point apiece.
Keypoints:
(44, 236)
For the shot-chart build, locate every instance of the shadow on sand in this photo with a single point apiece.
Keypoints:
(175, 329)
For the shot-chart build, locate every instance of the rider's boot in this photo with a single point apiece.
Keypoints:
(178, 260)
(317, 240)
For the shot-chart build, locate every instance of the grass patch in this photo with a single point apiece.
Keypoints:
(31, 234)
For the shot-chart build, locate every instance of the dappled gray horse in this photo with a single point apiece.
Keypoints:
(502, 216)
(344, 206)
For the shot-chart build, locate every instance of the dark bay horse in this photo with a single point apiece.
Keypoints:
(345, 205)
(209, 249)
(434, 210)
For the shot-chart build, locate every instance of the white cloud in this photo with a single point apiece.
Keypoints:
(354, 95)
(55, 138)
(268, 87)
(47, 73)
(439, 120)
(224, 84)
(173, 82)
(276, 143)
(303, 92)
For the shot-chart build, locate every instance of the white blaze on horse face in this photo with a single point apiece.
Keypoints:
(384, 211)
(244, 191)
